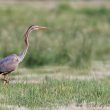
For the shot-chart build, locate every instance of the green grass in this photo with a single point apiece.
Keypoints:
(75, 37)
(55, 92)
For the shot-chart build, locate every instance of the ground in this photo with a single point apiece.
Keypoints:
(41, 75)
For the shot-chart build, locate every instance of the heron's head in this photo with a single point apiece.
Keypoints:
(36, 27)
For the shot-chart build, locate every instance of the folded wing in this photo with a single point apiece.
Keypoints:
(9, 63)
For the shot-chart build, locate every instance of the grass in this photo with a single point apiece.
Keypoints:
(55, 92)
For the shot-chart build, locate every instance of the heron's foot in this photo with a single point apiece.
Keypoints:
(5, 78)
(6, 82)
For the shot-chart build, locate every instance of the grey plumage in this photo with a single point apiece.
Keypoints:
(9, 64)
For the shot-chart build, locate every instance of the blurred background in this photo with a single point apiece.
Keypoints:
(67, 66)
(78, 31)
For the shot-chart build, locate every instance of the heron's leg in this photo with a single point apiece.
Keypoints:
(6, 79)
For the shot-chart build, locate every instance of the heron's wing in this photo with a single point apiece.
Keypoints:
(8, 63)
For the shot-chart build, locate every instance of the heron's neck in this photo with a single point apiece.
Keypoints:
(23, 53)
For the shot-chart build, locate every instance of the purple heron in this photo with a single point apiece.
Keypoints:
(11, 62)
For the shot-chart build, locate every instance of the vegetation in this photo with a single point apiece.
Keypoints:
(55, 92)
(74, 37)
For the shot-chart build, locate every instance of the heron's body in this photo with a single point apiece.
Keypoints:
(11, 62)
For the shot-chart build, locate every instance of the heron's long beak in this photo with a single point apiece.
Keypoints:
(41, 27)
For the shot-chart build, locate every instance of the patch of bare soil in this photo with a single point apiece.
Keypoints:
(83, 107)
(74, 106)
(12, 107)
